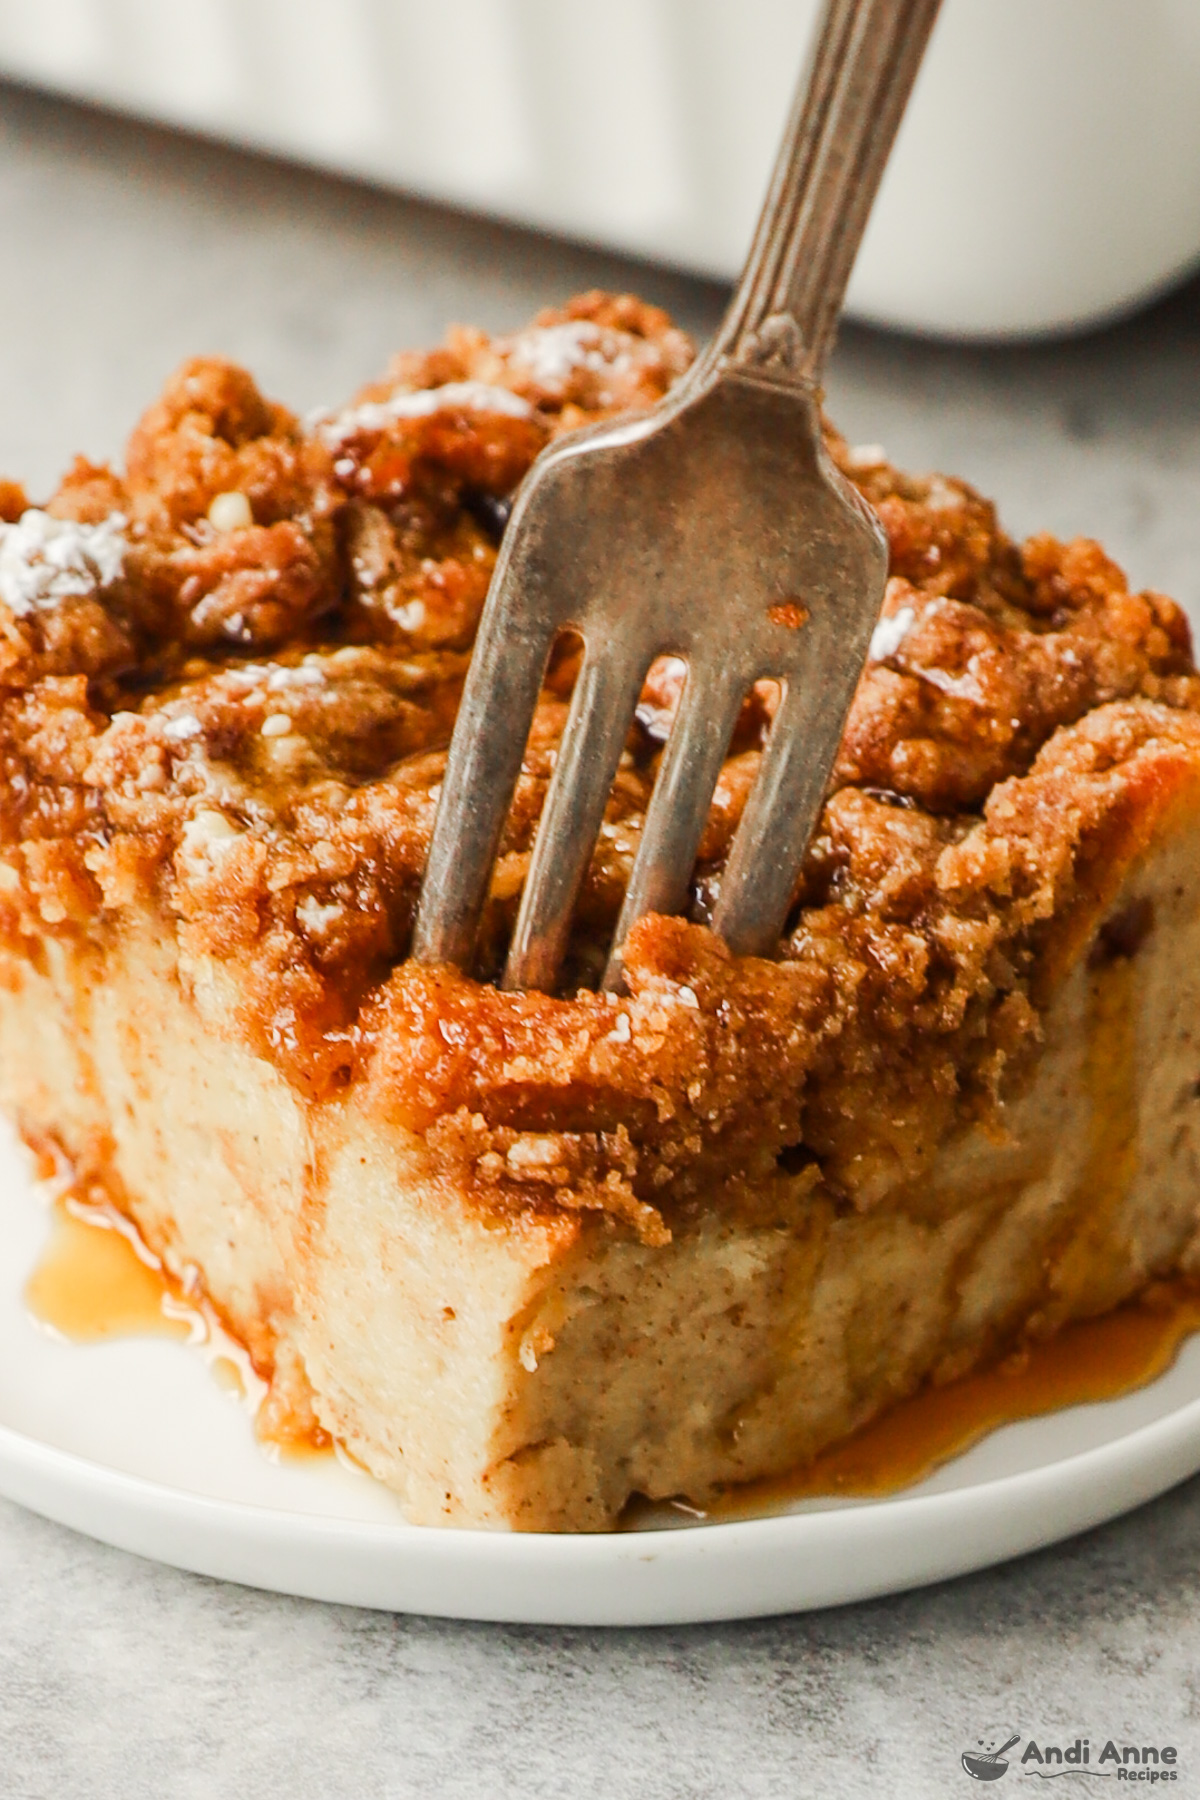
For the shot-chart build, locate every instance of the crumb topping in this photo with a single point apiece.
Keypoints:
(228, 678)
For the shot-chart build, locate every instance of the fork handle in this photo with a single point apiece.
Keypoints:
(783, 318)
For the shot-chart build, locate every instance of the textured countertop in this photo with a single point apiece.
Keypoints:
(125, 250)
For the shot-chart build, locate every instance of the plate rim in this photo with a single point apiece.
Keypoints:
(753, 1567)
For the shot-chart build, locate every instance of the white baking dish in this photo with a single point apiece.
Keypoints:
(1048, 173)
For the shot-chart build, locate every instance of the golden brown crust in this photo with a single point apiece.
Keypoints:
(241, 722)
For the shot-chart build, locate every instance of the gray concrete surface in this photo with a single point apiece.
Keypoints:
(124, 250)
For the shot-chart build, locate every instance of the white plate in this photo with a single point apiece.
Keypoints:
(134, 1442)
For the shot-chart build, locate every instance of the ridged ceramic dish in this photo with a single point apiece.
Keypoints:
(1048, 173)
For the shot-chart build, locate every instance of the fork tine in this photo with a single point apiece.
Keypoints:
(481, 772)
(675, 820)
(756, 889)
(602, 706)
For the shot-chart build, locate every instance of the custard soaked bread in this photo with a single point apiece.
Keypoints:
(527, 1255)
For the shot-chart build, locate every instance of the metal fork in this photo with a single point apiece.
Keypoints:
(713, 527)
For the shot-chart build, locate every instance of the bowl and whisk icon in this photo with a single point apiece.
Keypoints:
(985, 1762)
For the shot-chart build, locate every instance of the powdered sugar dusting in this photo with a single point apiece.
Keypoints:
(452, 396)
(317, 919)
(861, 457)
(182, 726)
(552, 353)
(306, 676)
(889, 634)
(253, 682)
(44, 560)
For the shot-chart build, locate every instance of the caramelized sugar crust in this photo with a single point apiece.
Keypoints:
(228, 677)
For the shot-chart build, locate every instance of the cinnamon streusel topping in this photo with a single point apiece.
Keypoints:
(228, 677)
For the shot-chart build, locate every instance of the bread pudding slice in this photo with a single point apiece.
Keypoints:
(527, 1255)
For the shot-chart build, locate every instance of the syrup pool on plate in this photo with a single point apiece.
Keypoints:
(1090, 1361)
(97, 1279)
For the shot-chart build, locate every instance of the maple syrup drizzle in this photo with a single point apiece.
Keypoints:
(97, 1279)
(1093, 1360)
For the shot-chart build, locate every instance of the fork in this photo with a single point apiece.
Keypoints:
(713, 527)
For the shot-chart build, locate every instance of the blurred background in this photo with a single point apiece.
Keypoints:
(1048, 172)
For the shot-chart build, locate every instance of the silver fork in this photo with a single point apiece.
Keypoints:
(714, 528)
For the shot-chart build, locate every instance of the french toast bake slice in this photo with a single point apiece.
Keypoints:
(527, 1255)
